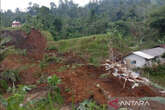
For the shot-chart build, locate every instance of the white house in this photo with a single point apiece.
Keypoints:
(16, 24)
(145, 57)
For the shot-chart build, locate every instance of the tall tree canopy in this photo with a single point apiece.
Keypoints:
(68, 19)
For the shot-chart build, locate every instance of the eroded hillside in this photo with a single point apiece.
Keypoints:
(80, 80)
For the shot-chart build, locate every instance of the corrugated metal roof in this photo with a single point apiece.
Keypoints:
(154, 51)
(139, 53)
(150, 53)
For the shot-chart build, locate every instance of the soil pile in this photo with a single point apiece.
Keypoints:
(17, 37)
(79, 82)
(34, 43)
(29, 70)
(72, 58)
(84, 82)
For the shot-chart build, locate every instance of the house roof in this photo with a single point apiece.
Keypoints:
(15, 22)
(150, 53)
(144, 55)
(155, 51)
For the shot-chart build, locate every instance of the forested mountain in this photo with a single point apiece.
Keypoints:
(99, 16)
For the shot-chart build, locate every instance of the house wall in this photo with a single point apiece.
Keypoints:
(140, 62)
(16, 25)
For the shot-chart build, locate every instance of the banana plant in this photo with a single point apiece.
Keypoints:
(54, 90)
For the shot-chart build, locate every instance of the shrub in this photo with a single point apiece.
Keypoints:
(53, 81)
(7, 77)
(90, 105)
(15, 101)
(43, 64)
(48, 59)
(3, 102)
(62, 68)
(26, 28)
(10, 76)
(52, 48)
(3, 48)
(52, 59)
(163, 56)
(17, 51)
(155, 71)
(48, 35)
(3, 85)
(122, 27)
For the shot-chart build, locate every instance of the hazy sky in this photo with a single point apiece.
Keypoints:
(22, 4)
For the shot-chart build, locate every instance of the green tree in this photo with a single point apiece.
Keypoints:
(157, 20)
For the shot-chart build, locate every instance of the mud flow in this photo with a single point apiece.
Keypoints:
(79, 79)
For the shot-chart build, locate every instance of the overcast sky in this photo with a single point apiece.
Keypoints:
(22, 4)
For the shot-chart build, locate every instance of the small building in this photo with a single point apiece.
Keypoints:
(16, 24)
(146, 57)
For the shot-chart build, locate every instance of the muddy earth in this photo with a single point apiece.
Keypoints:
(79, 79)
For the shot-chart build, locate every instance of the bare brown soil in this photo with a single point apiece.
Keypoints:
(17, 37)
(78, 83)
(34, 43)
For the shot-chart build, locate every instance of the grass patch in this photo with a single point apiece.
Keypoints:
(62, 68)
(13, 50)
(50, 59)
(52, 48)
(155, 74)
(10, 28)
(95, 47)
(156, 79)
(47, 35)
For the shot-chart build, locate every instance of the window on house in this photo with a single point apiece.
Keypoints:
(133, 62)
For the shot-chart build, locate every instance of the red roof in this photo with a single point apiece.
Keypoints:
(163, 45)
(16, 23)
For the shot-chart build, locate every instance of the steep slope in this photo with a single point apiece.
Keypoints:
(94, 48)
(34, 43)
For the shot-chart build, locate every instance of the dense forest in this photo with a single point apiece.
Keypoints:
(68, 20)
